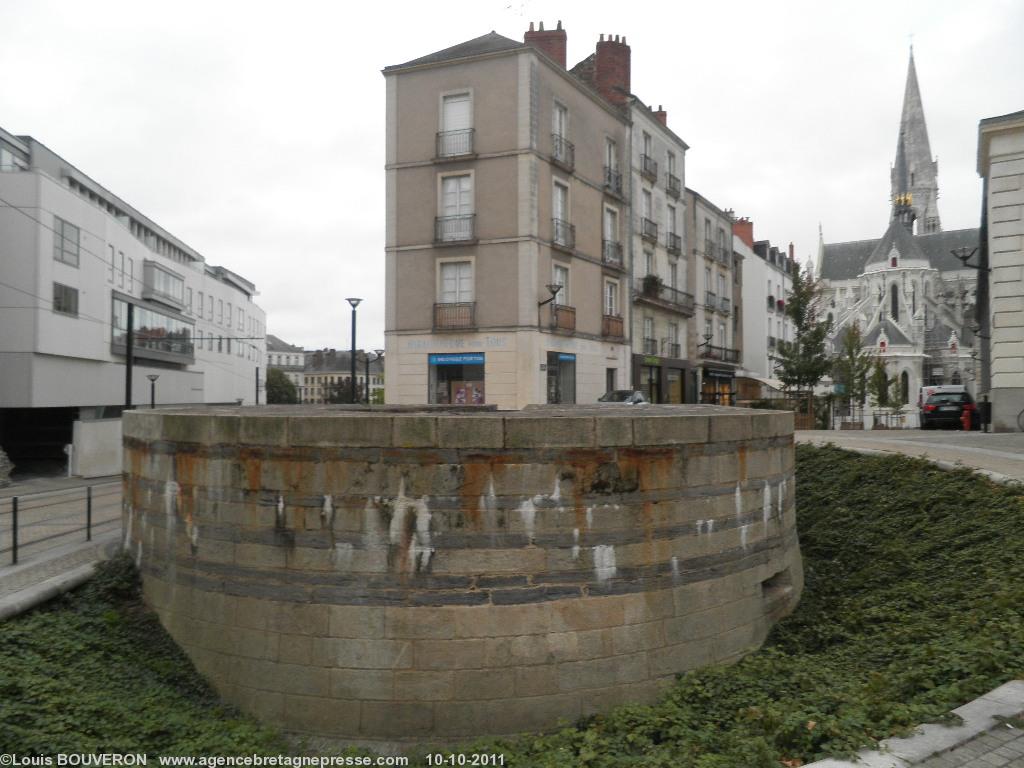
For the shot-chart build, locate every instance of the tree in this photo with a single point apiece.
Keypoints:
(851, 366)
(340, 391)
(280, 388)
(885, 392)
(803, 362)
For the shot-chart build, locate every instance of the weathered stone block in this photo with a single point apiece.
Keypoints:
(397, 719)
(728, 428)
(261, 430)
(562, 432)
(614, 431)
(420, 623)
(354, 430)
(362, 684)
(412, 685)
(478, 684)
(449, 654)
(669, 430)
(360, 653)
(464, 432)
(355, 621)
(414, 432)
(321, 715)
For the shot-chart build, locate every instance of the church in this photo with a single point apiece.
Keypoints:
(910, 294)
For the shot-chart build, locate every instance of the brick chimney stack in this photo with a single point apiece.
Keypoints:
(791, 257)
(744, 230)
(611, 69)
(662, 115)
(551, 42)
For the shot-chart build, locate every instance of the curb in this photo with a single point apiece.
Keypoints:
(978, 716)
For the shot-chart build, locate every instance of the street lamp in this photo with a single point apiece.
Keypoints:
(152, 388)
(354, 303)
(379, 353)
(553, 288)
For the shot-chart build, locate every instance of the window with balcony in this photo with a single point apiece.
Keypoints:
(648, 166)
(650, 342)
(673, 184)
(612, 176)
(560, 277)
(611, 297)
(673, 275)
(455, 138)
(66, 241)
(563, 234)
(648, 227)
(611, 248)
(455, 224)
(456, 307)
(160, 284)
(563, 152)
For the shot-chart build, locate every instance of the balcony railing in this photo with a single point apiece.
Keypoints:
(454, 315)
(653, 289)
(710, 300)
(455, 229)
(455, 143)
(611, 325)
(724, 354)
(563, 234)
(648, 167)
(672, 349)
(674, 243)
(563, 151)
(563, 318)
(724, 254)
(709, 249)
(724, 304)
(771, 342)
(648, 230)
(650, 346)
(611, 253)
(613, 181)
(771, 303)
(673, 186)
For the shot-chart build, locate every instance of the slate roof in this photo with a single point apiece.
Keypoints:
(892, 332)
(845, 261)
(899, 236)
(274, 344)
(492, 42)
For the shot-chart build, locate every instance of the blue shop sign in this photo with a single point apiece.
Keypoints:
(566, 357)
(457, 359)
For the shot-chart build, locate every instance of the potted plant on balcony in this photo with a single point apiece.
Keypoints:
(652, 285)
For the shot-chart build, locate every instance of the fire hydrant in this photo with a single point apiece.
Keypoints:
(965, 419)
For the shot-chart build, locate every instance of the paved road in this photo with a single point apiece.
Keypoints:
(1001, 453)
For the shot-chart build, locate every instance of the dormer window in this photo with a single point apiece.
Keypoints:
(892, 261)
(882, 344)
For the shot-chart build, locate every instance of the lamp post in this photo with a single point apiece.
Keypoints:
(152, 388)
(354, 303)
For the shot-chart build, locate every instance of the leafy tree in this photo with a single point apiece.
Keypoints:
(280, 388)
(340, 391)
(852, 365)
(885, 392)
(803, 362)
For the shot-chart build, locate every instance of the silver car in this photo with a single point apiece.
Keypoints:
(624, 397)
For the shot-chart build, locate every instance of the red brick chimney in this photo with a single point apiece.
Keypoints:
(744, 230)
(611, 69)
(552, 42)
(662, 115)
(791, 257)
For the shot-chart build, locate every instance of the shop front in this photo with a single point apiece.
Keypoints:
(718, 386)
(662, 379)
(561, 370)
(457, 378)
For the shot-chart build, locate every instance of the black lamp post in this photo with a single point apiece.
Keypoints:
(354, 303)
(152, 388)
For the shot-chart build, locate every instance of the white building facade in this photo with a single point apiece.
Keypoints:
(767, 282)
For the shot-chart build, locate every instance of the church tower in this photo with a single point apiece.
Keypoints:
(915, 172)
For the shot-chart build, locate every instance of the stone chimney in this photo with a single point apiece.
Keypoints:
(744, 230)
(611, 69)
(662, 115)
(551, 42)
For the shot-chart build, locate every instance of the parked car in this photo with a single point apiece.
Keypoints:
(624, 397)
(946, 409)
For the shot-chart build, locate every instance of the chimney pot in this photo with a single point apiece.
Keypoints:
(531, 26)
(559, 24)
(542, 26)
(602, 37)
(612, 69)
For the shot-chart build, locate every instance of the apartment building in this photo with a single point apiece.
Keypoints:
(768, 279)
(507, 275)
(662, 307)
(75, 257)
(327, 377)
(287, 358)
(715, 274)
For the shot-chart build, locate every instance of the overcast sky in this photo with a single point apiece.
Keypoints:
(254, 131)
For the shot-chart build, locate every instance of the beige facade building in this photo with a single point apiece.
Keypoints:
(504, 283)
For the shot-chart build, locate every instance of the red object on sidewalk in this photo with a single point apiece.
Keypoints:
(965, 419)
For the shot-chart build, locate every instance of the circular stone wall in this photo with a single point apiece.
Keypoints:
(425, 576)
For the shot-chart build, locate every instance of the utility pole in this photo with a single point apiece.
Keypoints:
(130, 359)
(257, 385)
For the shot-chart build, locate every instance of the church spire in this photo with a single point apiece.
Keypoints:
(903, 195)
(921, 180)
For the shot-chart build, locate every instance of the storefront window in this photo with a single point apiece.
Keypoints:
(649, 380)
(561, 369)
(457, 379)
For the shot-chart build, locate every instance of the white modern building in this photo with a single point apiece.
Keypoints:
(73, 258)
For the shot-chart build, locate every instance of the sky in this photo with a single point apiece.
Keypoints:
(254, 131)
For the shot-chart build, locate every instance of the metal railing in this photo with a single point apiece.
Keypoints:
(450, 315)
(455, 143)
(611, 325)
(771, 303)
(648, 229)
(673, 185)
(709, 249)
(724, 354)
(455, 229)
(653, 289)
(563, 318)
(563, 151)
(674, 243)
(710, 299)
(650, 346)
(611, 253)
(613, 181)
(648, 167)
(724, 254)
(563, 234)
(35, 522)
(672, 349)
(724, 304)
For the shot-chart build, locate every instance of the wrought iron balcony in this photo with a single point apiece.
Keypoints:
(563, 234)
(710, 300)
(455, 229)
(454, 315)
(563, 318)
(454, 143)
(611, 253)
(612, 181)
(654, 291)
(563, 152)
(611, 325)
(648, 230)
(709, 249)
(673, 186)
(771, 342)
(724, 304)
(650, 346)
(724, 354)
(725, 254)
(672, 349)
(674, 243)
(649, 167)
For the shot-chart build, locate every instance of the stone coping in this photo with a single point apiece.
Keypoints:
(466, 428)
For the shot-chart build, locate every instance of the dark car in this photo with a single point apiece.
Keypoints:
(624, 397)
(945, 409)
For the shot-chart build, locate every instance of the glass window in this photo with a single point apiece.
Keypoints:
(611, 298)
(457, 115)
(220, 311)
(456, 282)
(611, 155)
(560, 277)
(110, 270)
(66, 241)
(649, 262)
(670, 220)
(561, 369)
(153, 330)
(673, 275)
(65, 300)
(560, 121)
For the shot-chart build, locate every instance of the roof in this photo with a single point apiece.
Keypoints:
(492, 42)
(275, 344)
(845, 261)
(899, 237)
(892, 333)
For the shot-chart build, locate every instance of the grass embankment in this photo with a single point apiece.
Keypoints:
(914, 603)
